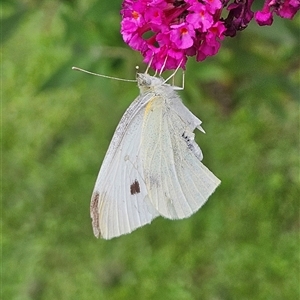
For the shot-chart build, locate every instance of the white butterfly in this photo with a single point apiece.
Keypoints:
(152, 166)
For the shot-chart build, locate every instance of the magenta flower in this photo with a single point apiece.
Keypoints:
(166, 32)
(283, 8)
(199, 16)
(182, 35)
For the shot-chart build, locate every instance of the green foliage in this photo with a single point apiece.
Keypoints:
(57, 124)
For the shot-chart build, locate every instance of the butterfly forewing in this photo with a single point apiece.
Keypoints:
(119, 202)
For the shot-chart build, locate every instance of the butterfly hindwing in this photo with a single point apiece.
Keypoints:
(178, 183)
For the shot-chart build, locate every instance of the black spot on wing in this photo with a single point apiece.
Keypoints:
(192, 145)
(135, 188)
(95, 214)
(186, 137)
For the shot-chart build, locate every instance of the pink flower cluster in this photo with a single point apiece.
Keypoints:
(166, 32)
(283, 8)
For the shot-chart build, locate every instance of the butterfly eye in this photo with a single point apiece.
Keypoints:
(146, 82)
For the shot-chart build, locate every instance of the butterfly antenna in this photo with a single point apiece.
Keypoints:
(104, 76)
(136, 70)
(149, 64)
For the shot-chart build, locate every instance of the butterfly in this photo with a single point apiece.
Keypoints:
(153, 164)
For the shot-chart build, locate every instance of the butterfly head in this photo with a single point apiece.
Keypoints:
(147, 82)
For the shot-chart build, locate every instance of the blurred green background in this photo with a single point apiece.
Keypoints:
(57, 124)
